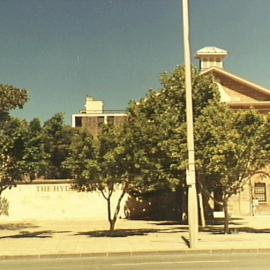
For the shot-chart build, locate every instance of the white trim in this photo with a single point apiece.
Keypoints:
(105, 115)
(238, 79)
(98, 114)
(224, 97)
(252, 103)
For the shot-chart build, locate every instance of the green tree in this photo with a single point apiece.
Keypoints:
(150, 152)
(35, 160)
(81, 151)
(56, 137)
(157, 129)
(12, 145)
(98, 166)
(12, 132)
(231, 146)
(11, 98)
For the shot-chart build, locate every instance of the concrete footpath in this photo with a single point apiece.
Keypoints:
(90, 238)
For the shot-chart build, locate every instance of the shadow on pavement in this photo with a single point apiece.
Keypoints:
(166, 222)
(34, 234)
(220, 221)
(234, 230)
(27, 234)
(118, 233)
(214, 226)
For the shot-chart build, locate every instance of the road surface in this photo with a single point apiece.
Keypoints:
(145, 262)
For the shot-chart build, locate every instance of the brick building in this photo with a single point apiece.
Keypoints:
(240, 94)
(94, 117)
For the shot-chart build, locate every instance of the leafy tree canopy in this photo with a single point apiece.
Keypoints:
(12, 134)
(98, 165)
(56, 137)
(11, 98)
(35, 160)
(231, 146)
(157, 131)
(12, 144)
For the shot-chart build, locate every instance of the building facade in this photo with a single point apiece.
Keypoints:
(240, 94)
(94, 117)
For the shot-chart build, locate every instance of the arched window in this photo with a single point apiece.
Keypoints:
(260, 192)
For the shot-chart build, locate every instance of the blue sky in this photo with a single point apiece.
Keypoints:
(115, 50)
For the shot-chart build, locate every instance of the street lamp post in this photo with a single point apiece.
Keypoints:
(190, 176)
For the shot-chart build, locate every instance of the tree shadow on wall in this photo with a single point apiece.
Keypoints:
(160, 205)
(17, 226)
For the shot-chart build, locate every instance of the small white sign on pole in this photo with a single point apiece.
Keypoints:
(190, 177)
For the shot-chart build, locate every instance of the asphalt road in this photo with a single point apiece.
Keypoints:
(145, 262)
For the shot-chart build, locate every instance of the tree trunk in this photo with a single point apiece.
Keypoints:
(112, 225)
(109, 212)
(226, 216)
(113, 220)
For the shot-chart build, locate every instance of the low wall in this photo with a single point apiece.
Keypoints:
(56, 200)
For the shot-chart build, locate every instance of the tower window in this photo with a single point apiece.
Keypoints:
(78, 121)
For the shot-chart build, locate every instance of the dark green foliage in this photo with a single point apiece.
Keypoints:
(157, 132)
(231, 146)
(12, 145)
(56, 138)
(12, 135)
(12, 98)
(98, 165)
(81, 152)
(34, 161)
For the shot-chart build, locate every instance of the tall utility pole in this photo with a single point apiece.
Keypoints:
(191, 176)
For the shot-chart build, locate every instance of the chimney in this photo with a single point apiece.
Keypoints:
(211, 57)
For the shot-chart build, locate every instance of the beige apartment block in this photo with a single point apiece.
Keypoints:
(94, 117)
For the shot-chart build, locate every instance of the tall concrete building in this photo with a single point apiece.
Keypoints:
(94, 117)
